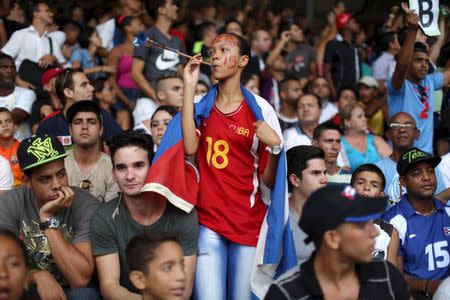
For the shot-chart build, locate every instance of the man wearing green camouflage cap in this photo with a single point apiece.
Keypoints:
(53, 220)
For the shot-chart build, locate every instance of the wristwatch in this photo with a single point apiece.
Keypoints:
(52, 223)
(275, 150)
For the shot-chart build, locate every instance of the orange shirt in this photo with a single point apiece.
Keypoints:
(11, 155)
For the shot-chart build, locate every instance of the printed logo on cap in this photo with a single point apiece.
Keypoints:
(349, 193)
(42, 149)
(414, 154)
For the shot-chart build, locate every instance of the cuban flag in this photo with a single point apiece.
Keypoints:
(176, 178)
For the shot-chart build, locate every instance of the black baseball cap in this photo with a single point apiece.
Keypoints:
(329, 207)
(84, 106)
(39, 150)
(413, 156)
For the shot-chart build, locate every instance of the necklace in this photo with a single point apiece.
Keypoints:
(426, 214)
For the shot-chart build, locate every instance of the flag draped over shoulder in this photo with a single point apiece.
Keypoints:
(172, 176)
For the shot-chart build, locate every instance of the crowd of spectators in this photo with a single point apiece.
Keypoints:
(356, 117)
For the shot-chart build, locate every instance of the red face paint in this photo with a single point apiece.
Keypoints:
(232, 64)
(226, 38)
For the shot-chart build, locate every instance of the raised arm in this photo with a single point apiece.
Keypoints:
(190, 77)
(405, 56)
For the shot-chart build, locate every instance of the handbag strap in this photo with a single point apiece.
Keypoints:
(51, 44)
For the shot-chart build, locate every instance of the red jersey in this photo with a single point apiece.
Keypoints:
(231, 160)
(11, 155)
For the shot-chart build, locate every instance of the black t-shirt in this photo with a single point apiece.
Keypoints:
(378, 280)
(345, 61)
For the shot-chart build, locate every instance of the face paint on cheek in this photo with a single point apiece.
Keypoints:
(232, 63)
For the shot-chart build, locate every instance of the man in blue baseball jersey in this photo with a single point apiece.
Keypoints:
(423, 224)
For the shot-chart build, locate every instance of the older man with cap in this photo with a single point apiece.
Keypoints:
(340, 223)
(53, 220)
(423, 224)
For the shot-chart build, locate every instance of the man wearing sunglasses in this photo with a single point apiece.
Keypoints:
(72, 86)
(87, 167)
(402, 132)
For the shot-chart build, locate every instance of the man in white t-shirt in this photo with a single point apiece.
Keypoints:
(6, 176)
(17, 99)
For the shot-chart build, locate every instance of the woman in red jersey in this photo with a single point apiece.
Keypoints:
(235, 152)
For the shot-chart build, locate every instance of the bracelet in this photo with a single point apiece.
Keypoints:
(426, 287)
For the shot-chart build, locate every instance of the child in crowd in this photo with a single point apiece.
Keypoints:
(368, 180)
(13, 259)
(9, 145)
(159, 121)
(156, 266)
(106, 96)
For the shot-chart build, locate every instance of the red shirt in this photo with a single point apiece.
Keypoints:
(231, 160)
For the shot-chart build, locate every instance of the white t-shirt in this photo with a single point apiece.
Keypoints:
(20, 98)
(6, 175)
(444, 167)
(27, 44)
(144, 109)
(329, 110)
(106, 33)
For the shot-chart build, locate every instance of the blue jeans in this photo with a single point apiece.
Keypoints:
(223, 268)
(87, 293)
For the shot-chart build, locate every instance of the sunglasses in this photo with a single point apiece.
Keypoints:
(86, 184)
(399, 125)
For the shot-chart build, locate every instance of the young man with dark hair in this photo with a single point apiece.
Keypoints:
(156, 266)
(260, 43)
(169, 91)
(16, 99)
(422, 222)
(327, 136)
(150, 63)
(411, 87)
(134, 212)
(53, 219)
(306, 173)
(339, 223)
(369, 181)
(88, 167)
(72, 86)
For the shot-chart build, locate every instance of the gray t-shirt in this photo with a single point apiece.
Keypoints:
(302, 249)
(159, 61)
(19, 212)
(299, 60)
(111, 234)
